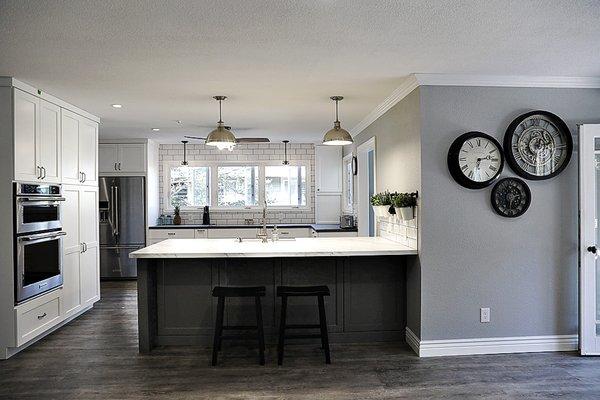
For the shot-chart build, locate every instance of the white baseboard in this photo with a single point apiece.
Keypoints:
(498, 345)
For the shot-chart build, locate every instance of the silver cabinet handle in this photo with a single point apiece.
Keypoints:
(44, 171)
(81, 244)
(119, 166)
(39, 172)
(171, 233)
(42, 316)
(115, 166)
(84, 176)
(80, 177)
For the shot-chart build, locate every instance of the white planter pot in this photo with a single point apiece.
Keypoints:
(406, 213)
(381, 211)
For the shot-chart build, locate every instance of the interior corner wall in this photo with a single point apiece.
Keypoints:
(398, 168)
(524, 269)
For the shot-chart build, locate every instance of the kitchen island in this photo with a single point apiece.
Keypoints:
(366, 277)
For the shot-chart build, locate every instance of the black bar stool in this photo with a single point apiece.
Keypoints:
(303, 291)
(222, 292)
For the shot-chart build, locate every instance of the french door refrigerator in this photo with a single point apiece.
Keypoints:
(122, 224)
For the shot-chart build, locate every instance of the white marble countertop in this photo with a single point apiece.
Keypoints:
(300, 247)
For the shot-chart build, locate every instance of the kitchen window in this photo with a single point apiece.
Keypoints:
(189, 187)
(285, 185)
(348, 184)
(237, 186)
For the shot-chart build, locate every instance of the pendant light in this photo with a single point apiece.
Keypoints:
(285, 160)
(337, 136)
(184, 163)
(221, 137)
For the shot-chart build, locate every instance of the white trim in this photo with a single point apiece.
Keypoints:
(415, 80)
(498, 345)
(362, 181)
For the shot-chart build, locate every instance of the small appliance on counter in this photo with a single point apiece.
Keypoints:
(206, 216)
(347, 221)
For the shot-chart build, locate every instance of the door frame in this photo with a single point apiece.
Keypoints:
(589, 341)
(362, 185)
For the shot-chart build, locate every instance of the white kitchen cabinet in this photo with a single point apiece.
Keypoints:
(334, 234)
(81, 273)
(37, 315)
(37, 139)
(228, 233)
(122, 158)
(166, 233)
(328, 208)
(200, 233)
(328, 169)
(79, 137)
(289, 233)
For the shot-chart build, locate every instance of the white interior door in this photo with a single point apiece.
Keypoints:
(589, 209)
(365, 187)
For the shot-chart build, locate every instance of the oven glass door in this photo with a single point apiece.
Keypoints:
(35, 216)
(39, 264)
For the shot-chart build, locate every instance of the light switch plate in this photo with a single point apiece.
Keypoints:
(484, 315)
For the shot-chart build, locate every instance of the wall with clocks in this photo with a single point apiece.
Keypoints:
(398, 147)
(524, 267)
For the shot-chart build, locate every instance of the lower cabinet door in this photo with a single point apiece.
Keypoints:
(71, 297)
(89, 276)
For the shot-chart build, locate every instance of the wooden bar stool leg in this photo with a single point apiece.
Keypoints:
(324, 335)
(282, 323)
(260, 332)
(218, 329)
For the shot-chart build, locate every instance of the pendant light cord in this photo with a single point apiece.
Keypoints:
(336, 111)
(220, 116)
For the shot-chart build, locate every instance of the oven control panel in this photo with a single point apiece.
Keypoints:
(30, 188)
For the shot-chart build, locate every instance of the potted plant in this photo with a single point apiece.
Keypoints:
(177, 217)
(405, 204)
(382, 204)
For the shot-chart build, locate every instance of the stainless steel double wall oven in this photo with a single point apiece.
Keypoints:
(37, 239)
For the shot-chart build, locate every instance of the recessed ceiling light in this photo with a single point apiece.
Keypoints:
(116, 105)
(156, 129)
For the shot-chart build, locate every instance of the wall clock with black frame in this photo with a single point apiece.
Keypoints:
(511, 197)
(538, 145)
(475, 160)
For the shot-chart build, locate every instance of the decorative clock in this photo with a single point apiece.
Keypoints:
(511, 197)
(475, 160)
(538, 145)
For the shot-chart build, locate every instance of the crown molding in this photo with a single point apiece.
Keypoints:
(415, 80)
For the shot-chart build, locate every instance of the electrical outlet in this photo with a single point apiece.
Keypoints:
(484, 315)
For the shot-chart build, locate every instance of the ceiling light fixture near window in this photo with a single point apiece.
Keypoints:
(184, 162)
(155, 129)
(222, 138)
(117, 105)
(337, 136)
(285, 160)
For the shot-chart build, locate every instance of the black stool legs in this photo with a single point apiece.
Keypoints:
(302, 291)
(221, 293)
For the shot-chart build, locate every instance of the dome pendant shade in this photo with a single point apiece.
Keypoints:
(221, 137)
(337, 136)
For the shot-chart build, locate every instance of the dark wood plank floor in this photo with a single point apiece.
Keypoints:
(95, 357)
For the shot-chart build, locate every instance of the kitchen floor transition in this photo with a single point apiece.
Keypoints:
(96, 357)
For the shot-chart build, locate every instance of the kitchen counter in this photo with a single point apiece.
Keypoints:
(366, 277)
(316, 227)
(301, 247)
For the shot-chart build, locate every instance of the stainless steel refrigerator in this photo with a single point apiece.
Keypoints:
(122, 224)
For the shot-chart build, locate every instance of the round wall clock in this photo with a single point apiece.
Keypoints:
(475, 160)
(538, 145)
(511, 197)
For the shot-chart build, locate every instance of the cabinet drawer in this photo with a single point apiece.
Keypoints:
(200, 233)
(34, 321)
(171, 234)
(292, 232)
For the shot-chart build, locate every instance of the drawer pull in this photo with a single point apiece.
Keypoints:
(171, 233)
(42, 316)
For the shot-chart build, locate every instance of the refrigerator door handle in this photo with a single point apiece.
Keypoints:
(116, 207)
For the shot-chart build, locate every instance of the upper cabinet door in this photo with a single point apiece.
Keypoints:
(328, 174)
(26, 120)
(49, 148)
(132, 158)
(88, 151)
(107, 158)
(70, 147)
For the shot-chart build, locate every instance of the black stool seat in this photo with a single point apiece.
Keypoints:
(233, 291)
(223, 292)
(302, 291)
(297, 291)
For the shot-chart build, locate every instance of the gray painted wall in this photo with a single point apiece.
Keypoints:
(524, 269)
(398, 153)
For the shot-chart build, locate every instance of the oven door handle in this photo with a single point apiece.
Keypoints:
(49, 235)
(37, 199)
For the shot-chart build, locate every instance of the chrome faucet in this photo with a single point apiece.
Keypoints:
(262, 233)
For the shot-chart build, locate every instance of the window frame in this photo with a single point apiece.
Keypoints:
(347, 206)
(213, 184)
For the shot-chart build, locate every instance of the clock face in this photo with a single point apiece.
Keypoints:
(475, 160)
(538, 145)
(511, 197)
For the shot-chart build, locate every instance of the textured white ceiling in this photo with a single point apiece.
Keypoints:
(278, 61)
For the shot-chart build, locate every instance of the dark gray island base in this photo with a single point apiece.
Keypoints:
(367, 302)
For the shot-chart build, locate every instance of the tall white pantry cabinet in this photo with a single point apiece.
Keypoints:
(46, 140)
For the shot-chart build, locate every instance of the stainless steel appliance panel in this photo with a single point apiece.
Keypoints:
(115, 262)
(122, 208)
(37, 207)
